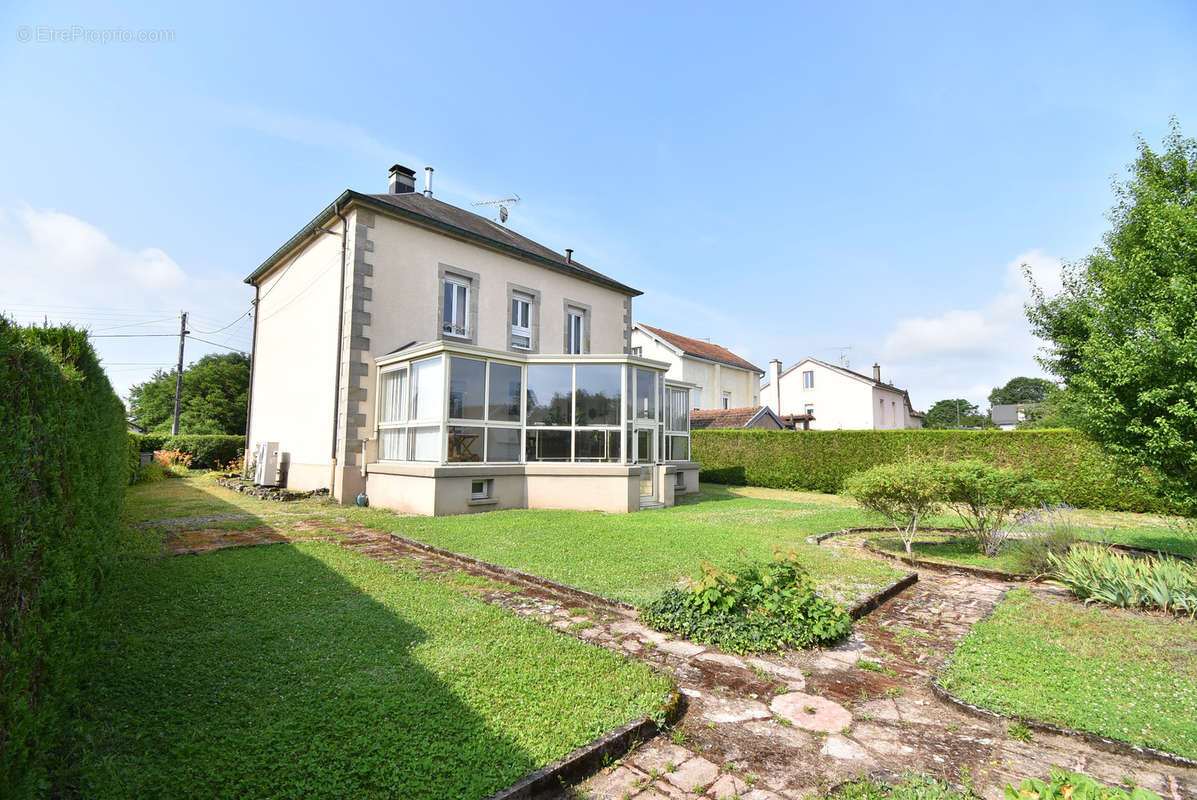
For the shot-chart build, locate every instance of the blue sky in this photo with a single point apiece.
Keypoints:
(782, 179)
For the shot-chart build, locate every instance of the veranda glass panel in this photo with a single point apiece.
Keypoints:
(465, 444)
(426, 444)
(679, 448)
(549, 390)
(467, 387)
(502, 444)
(394, 389)
(392, 444)
(646, 395)
(428, 390)
(505, 386)
(597, 399)
(597, 446)
(547, 444)
(677, 416)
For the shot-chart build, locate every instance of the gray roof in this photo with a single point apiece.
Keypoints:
(429, 211)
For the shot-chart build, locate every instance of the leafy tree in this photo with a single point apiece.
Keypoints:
(1054, 412)
(984, 497)
(1123, 330)
(1021, 390)
(902, 493)
(214, 399)
(943, 415)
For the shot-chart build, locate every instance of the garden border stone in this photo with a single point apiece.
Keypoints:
(1101, 742)
(880, 596)
(268, 492)
(590, 758)
(980, 572)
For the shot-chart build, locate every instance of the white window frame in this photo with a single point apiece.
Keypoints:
(461, 295)
(725, 399)
(521, 301)
(575, 327)
(808, 379)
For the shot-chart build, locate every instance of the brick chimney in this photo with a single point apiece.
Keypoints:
(876, 372)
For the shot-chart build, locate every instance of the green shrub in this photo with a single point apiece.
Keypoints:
(753, 609)
(64, 465)
(1098, 574)
(821, 460)
(207, 451)
(151, 473)
(1073, 786)
(984, 497)
(902, 493)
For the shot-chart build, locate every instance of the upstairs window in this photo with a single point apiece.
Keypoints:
(575, 329)
(456, 307)
(808, 379)
(726, 400)
(521, 322)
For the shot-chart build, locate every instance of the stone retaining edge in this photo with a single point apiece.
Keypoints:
(1100, 742)
(980, 572)
(516, 575)
(590, 758)
(882, 595)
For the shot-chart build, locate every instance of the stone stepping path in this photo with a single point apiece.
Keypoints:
(793, 725)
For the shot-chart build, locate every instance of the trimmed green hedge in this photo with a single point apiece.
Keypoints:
(821, 460)
(64, 463)
(207, 450)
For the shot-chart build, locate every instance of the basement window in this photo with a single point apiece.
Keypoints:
(481, 490)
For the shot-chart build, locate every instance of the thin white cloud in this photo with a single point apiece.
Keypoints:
(965, 352)
(59, 268)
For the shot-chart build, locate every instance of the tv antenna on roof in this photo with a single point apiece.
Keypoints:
(502, 204)
(845, 351)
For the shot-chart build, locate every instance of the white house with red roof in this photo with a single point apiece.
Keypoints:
(837, 398)
(717, 377)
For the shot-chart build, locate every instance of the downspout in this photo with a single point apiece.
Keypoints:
(249, 400)
(332, 477)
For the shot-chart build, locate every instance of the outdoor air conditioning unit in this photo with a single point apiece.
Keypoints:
(266, 473)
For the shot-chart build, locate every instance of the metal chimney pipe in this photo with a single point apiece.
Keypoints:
(569, 255)
(428, 181)
(877, 372)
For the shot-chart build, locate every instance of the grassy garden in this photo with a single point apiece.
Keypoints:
(310, 670)
(1122, 674)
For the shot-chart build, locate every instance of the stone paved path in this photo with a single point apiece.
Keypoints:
(792, 726)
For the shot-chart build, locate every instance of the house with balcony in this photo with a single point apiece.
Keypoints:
(720, 378)
(437, 362)
(822, 396)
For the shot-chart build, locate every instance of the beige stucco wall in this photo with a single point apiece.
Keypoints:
(295, 361)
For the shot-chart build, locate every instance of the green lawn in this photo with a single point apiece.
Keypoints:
(951, 549)
(309, 670)
(1120, 674)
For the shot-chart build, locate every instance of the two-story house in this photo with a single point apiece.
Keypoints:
(720, 378)
(837, 398)
(439, 362)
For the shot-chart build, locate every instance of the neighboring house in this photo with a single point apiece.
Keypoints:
(441, 363)
(759, 417)
(721, 379)
(133, 427)
(837, 398)
(1007, 415)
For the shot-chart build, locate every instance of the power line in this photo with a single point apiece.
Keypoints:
(231, 324)
(218, 344)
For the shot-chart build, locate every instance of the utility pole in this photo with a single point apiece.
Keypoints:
(174, 427)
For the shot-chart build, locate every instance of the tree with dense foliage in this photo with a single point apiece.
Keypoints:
(955, 413)
(1021, 390)
(1123, 330)
(902, 493)
(214, 400)
(984, 497)
(1054, 412)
